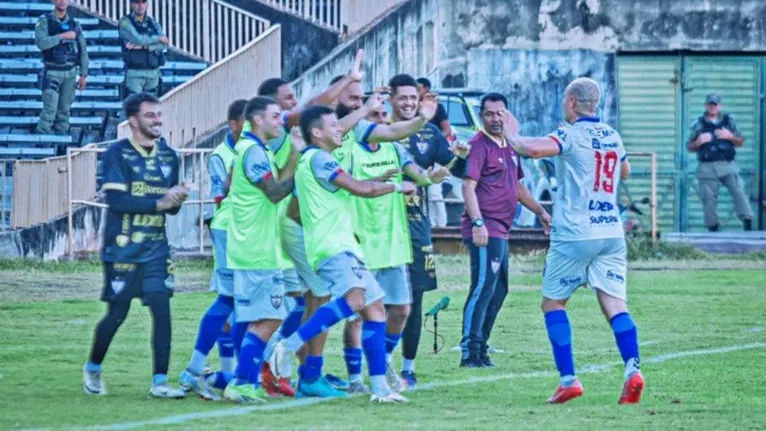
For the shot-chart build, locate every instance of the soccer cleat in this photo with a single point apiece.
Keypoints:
(164, 390)
(269, 381)
(487, 362)
(337, 382)
(632, 389)
(198, 384)
(92, 382)
(358, 388)
(393, 380)
(283, 387)
(471, 362)
(319, 388)
(391, 398)
(409, 379)
(246, 393)
(564, 394)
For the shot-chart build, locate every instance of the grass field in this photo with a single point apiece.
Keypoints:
(702, 329)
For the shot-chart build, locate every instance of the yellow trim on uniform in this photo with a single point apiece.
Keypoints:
(500, 143)
(114, 186)
(142, 151)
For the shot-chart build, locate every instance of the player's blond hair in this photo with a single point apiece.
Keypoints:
(587, 94)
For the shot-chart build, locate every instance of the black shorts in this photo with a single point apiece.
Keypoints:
(423, 268)
(125, 281)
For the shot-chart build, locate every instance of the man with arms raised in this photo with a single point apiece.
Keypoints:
(587, 239)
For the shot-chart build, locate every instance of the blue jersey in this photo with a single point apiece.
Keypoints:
(134, 180)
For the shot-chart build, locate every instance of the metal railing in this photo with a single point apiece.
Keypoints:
(343, 16)
(199, 105)
(207, 29)
(39, 187)
(74, 184)
(6, 196)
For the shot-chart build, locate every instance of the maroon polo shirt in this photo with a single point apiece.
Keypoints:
(496, 168)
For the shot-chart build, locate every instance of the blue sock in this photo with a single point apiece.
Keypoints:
(325, 317)
(209, 330)
(238, 331)
(219, 379)
(353, 358)
(313, 368)
(293, 320)
(391, 342)
(226, 352)
(250, 358)
(374, 345)
(626, 336)
(560, 336)
(90, 366)
(159, 379)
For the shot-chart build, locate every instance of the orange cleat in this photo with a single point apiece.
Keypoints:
(632, 389)
(283, 387)
(564, 394)
(269, 381)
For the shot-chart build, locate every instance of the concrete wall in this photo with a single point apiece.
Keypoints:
(530, 49)
(303, 43)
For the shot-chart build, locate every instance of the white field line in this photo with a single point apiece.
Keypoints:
(238, 411)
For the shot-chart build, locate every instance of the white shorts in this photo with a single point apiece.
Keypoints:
(293, 283)
(344, 272)
(601, 263)
(222, 279)
(259, 295)
(293, 243)
(395, 283)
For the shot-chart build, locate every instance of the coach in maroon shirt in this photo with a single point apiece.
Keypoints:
(491, 190)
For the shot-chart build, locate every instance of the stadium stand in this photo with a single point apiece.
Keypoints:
(96, 110)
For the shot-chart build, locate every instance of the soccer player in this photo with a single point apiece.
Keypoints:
(324, 191)
(141, 177)
(427, 147)
(213, 321)
(492, 191)
(587, 239)
(253, 250)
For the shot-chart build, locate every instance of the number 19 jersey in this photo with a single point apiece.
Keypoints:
(588, 174)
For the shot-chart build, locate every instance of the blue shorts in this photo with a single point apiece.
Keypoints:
(601, 263)
(222, 280)
(125, 281)
(395, 283)
(344, 272)
(259, 295)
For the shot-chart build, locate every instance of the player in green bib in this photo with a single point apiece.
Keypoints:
(325, 193)
(253, 252)
(214, 322)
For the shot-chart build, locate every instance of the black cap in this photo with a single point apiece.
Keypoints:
(713, 98)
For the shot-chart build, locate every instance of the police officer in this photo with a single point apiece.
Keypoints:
(143, 46)
(714, 137)
(59, 37)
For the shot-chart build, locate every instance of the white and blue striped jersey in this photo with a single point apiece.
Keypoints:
(588, 173)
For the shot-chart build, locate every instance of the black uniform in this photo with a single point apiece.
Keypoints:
(427, 148)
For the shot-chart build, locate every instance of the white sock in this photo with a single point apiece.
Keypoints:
(379, 386)
(631, 367)
(389, 358)
(567, 380)
(293, 343)
(355, 378)
(228, 365)
(408, 365)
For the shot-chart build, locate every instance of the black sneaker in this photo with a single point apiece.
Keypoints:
(472, 362)
(747, 224)
(487, 362)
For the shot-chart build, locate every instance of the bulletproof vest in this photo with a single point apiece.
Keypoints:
(142, 59)
(65, 54)
(717, 149)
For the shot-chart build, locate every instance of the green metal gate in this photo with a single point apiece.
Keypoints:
(659, 99)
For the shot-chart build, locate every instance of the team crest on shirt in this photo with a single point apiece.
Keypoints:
(422, 146)
(166, 170)
(117, 286)
(495, 264)
(276, 301)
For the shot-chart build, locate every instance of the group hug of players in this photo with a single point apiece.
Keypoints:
(314, 224)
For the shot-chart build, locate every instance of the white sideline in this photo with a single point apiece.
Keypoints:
(178, 419)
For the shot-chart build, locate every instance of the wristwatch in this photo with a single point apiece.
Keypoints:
(479, 222)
